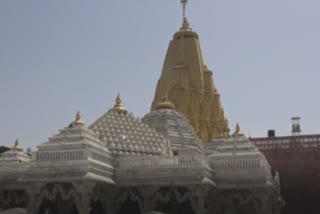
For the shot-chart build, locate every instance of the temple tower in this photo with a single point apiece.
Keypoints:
(190, 86)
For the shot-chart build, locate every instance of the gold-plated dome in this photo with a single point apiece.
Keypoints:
(165, 103)
(118, 107)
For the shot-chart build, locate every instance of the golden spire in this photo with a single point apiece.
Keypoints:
(118, 107)
(190, 84)
(78, 121)
(16, 145)
(165, 103)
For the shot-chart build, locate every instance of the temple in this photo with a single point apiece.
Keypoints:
(178, 159)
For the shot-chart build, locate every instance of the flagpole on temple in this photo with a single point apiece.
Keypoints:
(184, 3)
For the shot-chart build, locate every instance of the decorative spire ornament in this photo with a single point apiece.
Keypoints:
(184, 3)
(237, 132)
(78, 121)
(16, 145)
(118, 107)
(165, 103)
(185, 23)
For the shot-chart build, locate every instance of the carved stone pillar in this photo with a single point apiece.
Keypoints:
(33, 190)
(83, 201)
(199, 198)
(109, 200)
(148, 200)
(265, 199)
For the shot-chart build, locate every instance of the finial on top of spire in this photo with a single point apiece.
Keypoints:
(78, 120)
(118, 107)
(237, 132)
(16, 145)
(185, 23)
(165, 103)
(184, 3)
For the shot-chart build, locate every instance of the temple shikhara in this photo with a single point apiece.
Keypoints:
(190, 86)
(180, 158)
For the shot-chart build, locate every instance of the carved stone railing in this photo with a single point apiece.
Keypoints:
(238, 164)
(9, 168)
(59, 155)
(162, 161)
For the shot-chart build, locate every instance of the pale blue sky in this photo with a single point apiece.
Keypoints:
(60, 56)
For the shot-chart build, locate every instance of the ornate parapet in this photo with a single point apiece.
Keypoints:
(163, 170)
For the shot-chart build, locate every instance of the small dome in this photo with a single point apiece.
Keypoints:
(15, 155)
(176, 127)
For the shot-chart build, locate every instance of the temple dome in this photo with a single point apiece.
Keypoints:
(237, 162)
(15, 155)
(176, 127)
(126, 135)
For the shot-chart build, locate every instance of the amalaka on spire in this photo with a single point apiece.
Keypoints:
(118, 107)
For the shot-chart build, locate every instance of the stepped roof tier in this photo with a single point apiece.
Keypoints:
(190, 86)
(75, 147)
(15, 154)
(237, 162)
(13, 163)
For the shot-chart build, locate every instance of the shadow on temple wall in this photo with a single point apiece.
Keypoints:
(14, 211)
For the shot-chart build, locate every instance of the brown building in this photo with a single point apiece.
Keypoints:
(296, 158)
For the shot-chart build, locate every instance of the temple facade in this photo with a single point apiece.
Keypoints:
(161, 163)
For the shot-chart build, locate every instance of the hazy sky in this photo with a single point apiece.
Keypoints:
(57, 57)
